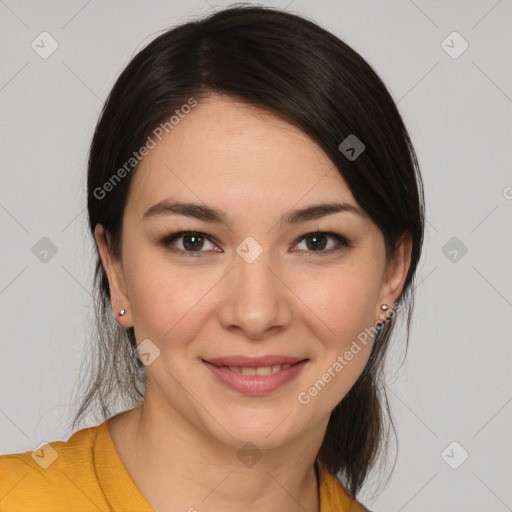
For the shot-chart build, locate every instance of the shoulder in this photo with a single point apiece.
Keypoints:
(58, 474)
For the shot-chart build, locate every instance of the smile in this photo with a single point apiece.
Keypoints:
(261, 370)
(256, 380)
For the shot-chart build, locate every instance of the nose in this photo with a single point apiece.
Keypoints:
(256, 302)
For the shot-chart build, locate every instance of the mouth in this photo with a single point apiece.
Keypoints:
(254, 378)
(253, 369)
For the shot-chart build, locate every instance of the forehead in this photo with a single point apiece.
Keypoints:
(233, 155)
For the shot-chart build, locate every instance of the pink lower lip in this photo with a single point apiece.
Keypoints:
(256, 384)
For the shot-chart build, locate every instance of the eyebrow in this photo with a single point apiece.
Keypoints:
(210, 214)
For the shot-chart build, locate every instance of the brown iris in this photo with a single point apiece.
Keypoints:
(196, 242)
(317, 243)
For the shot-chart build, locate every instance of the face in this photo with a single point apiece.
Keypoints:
(257, 282)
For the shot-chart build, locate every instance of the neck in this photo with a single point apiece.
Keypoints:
(178, 467)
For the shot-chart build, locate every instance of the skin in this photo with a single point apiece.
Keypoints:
(190, 427)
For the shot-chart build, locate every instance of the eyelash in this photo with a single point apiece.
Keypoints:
(168, 240)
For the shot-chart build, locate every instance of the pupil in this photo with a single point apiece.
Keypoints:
(193, 245)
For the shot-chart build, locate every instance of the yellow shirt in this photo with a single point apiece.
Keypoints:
(85, 474)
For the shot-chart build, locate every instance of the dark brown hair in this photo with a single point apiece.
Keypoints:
(294, 69)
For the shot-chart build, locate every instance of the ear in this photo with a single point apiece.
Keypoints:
(113, 268)
(394, 277)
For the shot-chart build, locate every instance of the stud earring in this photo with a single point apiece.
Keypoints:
(384, 307)
(122, 312)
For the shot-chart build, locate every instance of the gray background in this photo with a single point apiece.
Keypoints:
(456, 382)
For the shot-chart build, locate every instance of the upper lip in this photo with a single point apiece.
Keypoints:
(253, 362)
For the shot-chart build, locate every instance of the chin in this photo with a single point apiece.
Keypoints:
(265, 430)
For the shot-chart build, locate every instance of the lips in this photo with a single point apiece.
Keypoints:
(256, 379)
(253, 362)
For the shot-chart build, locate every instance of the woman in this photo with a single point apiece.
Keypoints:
(257, 210)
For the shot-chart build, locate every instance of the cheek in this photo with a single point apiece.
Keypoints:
(343, 306)
(166, 299)
(343, 301)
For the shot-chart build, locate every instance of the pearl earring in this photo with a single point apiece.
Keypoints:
(384, 307)
(122, 312)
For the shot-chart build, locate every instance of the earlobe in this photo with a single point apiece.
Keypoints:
(118, 299)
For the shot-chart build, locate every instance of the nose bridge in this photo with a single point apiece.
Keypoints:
(255, 301)
(254, 279)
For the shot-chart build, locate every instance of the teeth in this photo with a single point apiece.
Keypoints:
(262, 370)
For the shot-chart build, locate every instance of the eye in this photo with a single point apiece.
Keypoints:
(315, 243)
(190, 241)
